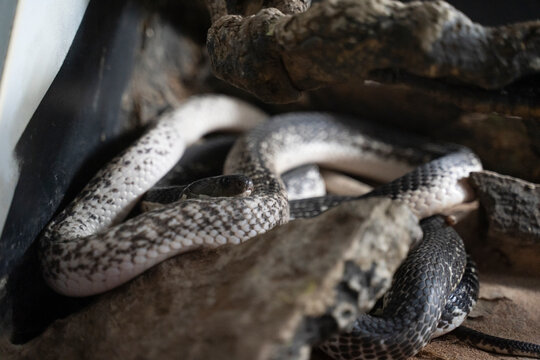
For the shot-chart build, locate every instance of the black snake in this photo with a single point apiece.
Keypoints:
(85, 251)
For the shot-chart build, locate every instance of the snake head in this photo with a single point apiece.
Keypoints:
(220, 186)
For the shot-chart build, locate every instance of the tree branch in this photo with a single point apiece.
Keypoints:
(276, 55)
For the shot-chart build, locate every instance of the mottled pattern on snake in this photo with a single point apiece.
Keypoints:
(428, 189)
(81, 254)
(84, 252)
(81, 259)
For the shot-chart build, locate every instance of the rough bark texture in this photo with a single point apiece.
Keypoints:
(275, 56)
(251, 301)
(219, 8)
(288, 6)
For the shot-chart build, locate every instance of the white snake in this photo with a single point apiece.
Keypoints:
(86, 250)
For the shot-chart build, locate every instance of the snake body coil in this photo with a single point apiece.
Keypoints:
(83, 252)
(422, 302)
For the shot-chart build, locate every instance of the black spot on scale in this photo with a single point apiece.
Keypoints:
(408, 348)
(79, 267)
(67, 256)
(396, 354)
(54, 268)
(119, 251)
(56, 249)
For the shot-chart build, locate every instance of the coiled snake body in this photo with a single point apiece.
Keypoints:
(84, 251)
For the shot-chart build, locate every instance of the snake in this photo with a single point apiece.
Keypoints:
(209, 187)
(87, 249)
(302, 182)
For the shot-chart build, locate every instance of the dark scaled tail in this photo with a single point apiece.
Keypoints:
(496, 344)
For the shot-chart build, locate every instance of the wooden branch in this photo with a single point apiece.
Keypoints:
(219, 8)
(276, 55)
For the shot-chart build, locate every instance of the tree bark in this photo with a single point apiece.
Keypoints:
(283, 50)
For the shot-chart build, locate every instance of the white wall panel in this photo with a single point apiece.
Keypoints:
(41, 34)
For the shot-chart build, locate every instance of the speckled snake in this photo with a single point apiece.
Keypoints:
(86, 249)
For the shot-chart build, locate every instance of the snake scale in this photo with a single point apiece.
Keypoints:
(86, 249)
